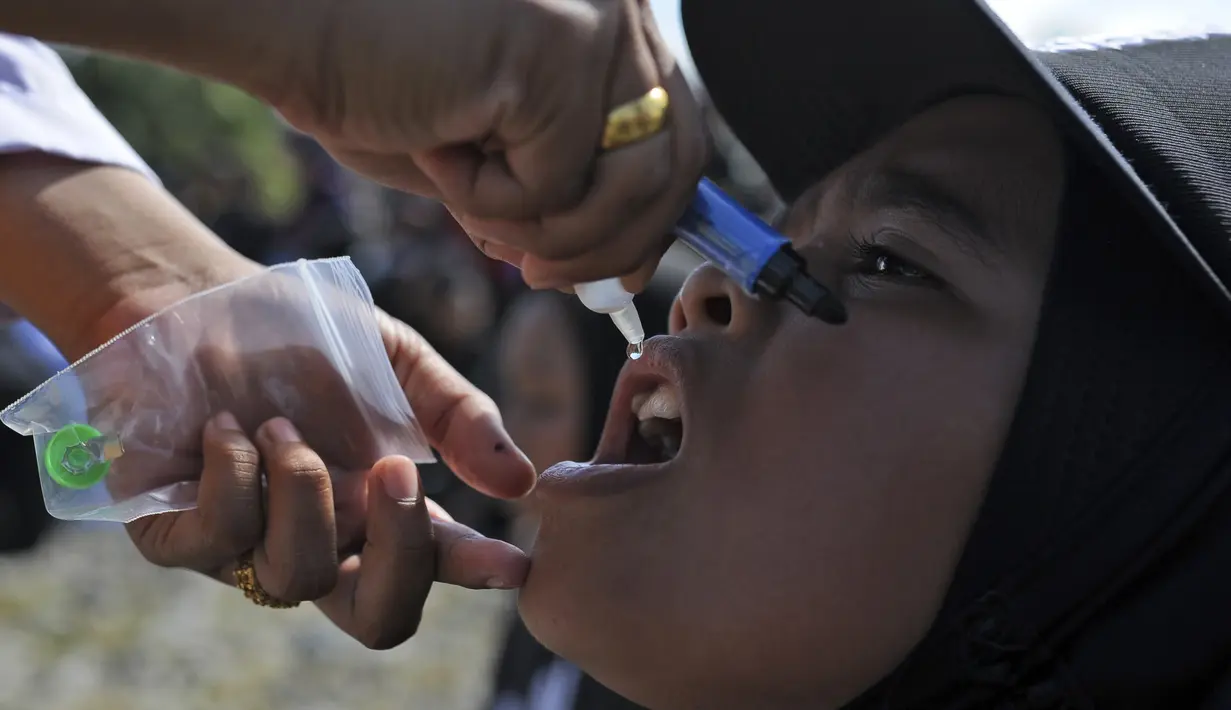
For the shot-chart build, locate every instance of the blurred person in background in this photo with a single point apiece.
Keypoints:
(438, 282)
(557, 365)
(320, 227)
(222, 198)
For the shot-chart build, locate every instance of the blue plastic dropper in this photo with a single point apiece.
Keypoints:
(752, 254)
(744, 247)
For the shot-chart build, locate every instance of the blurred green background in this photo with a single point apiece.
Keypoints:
(186, 127)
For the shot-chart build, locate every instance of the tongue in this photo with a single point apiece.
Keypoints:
(663, 435)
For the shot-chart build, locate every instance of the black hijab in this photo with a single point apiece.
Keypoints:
(1099, 571)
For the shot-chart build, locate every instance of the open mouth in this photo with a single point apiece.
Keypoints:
(645, 433)
(658, 430)
(645, 425)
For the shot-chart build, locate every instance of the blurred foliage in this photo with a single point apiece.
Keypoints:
(188, 128)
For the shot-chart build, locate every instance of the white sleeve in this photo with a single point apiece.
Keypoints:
(42, 109)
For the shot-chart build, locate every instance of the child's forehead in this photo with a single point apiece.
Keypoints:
(986, 156)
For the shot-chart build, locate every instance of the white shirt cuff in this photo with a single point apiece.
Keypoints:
(42, 109)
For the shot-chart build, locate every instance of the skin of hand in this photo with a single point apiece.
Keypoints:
(92, 250)
(496, 107)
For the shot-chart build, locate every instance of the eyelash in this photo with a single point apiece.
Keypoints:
(874, 262)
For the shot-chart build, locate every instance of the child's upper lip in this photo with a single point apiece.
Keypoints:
(662, 361)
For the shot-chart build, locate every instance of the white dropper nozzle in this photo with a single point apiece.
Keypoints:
(608, 296)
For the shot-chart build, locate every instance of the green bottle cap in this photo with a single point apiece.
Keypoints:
(70, 462)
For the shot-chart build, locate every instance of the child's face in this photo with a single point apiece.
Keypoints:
(803, 538)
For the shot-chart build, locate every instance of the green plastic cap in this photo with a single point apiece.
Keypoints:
(69, 463)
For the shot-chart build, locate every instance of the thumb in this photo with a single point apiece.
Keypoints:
(402, 553)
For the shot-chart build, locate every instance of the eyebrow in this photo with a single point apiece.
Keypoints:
(926, 198)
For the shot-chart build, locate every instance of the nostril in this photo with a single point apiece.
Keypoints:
(718, 310)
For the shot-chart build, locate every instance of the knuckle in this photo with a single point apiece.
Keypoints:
(299, 465)
(238, 454)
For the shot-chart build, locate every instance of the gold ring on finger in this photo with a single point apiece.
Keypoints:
(636, 120)
(245, 579)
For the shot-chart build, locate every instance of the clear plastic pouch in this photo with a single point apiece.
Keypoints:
(118, 433)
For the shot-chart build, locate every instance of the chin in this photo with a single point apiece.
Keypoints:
(600, 610)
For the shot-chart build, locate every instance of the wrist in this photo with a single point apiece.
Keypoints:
(138, 293)
(91, 250)
(260, 46)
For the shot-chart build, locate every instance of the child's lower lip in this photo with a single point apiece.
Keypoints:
(569, 479)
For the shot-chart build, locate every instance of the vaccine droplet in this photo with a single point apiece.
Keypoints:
(635, 350)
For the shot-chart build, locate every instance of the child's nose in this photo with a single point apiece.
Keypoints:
(711, 301)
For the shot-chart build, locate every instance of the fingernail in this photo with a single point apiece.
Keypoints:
(227, 422)
(400, 478)
(281, 430)
(498, 583)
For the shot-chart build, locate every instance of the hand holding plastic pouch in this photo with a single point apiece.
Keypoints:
(118, 434)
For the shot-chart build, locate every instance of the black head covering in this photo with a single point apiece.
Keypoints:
(1098, 572)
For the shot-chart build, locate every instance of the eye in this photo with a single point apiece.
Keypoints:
(889, 266)
(875, 262)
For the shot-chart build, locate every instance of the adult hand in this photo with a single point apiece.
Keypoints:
(496, 107)
(130, 250)
(366, 547)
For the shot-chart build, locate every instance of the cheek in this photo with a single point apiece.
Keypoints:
(862, 481)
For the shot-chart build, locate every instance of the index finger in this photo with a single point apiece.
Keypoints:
(462, 422)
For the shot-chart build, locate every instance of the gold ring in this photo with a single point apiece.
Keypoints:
(636, 120)
(245, 579)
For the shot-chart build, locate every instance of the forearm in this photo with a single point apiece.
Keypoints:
(90, 250)
(248, 43)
